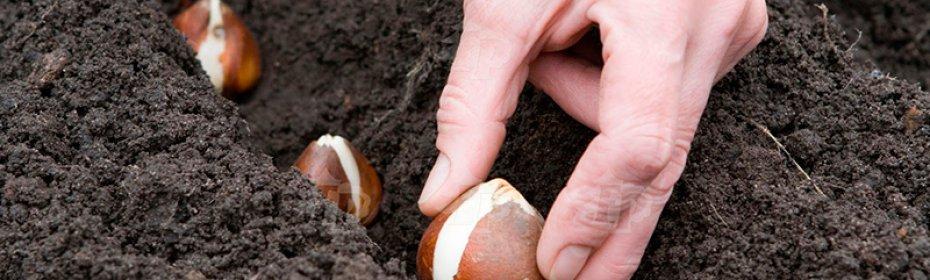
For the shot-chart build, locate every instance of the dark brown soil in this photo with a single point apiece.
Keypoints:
(118, 161)
(894, 34)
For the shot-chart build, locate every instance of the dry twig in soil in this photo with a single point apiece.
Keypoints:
(782, 149)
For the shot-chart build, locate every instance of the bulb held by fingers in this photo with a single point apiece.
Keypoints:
(489, 231)
(343, 175)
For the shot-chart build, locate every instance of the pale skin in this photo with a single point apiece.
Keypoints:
(643, 91)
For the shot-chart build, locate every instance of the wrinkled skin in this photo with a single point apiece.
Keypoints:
(643, 88)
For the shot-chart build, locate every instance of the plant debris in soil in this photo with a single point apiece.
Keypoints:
(117, 160)
(890, 33)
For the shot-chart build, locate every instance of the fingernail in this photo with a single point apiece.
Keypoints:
(569, 262)
(437, 176)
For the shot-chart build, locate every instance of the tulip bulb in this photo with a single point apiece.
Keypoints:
(489, 232)
(224, 46)
(343, 175)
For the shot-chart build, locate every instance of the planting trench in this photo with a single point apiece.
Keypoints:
(117, 160)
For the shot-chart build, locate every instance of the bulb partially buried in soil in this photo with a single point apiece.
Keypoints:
(225, 47)
(343, 175)
(490, 231)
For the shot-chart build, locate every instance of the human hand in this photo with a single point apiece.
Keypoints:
(660, 59)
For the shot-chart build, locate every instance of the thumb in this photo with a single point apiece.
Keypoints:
(487, 75)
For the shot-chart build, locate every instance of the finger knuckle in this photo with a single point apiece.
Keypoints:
(644, 151)
(622, 15)
(759, 26)
(755, 24)
(728, 31)
(453, 106)
(487, 16)
(674, 28)
(659, 193)
(596, 212)
(726, 18)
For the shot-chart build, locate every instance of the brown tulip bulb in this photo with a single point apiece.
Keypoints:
(489, 232)
(343, 175)
(225, 47)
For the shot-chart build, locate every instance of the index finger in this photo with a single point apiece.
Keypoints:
(487, 75)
